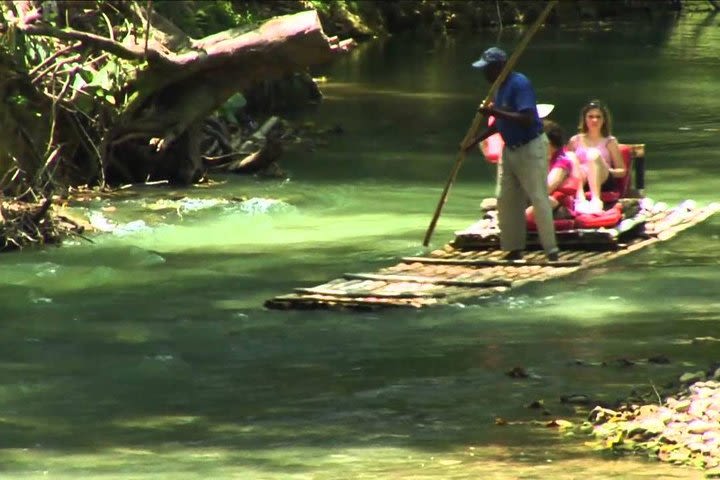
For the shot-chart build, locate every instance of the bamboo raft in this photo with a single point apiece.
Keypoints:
(471, 267)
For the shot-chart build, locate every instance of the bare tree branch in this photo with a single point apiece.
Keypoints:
(128, 52)
(54, 67)
(52, 57)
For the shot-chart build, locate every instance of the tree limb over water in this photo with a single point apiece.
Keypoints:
(127, 105)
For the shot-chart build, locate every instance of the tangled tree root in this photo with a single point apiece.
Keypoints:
(24, 224)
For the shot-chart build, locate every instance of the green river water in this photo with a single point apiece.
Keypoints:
(148, 353)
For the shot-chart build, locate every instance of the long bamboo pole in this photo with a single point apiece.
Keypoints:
(509, 65)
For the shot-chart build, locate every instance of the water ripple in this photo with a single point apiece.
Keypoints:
(261, 206)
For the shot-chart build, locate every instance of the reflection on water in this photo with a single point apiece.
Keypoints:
(149, 355)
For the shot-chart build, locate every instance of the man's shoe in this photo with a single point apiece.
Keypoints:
(514, 255)
(553, 256)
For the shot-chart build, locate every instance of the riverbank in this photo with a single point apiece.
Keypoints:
(683, 428)
(24, 224)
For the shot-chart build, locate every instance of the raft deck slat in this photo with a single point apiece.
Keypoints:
(488, 262)
(286, 302)
(471, 267)
(433, 280)
(367, 294)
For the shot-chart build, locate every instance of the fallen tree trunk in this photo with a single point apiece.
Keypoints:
(181, 91)
(155, 130)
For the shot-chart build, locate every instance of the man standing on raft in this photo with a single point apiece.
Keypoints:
(524, 157)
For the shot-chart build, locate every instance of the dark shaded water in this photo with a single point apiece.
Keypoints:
(148, 354)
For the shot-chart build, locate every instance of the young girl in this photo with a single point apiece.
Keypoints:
(597, 153)
(563, 173)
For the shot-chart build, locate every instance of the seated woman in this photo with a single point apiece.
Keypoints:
(597, 153)
(563, 177)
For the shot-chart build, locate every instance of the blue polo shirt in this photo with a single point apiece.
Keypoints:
(516, 94)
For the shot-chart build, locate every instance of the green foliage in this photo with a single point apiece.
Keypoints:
(200, 18)
(328, 7)
(232, 106)
(18, 100)
(323, 6)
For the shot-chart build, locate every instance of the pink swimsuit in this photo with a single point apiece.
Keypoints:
(581, 150)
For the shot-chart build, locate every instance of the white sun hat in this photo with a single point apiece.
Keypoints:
(544, 109)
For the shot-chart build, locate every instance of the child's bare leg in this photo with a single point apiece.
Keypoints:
(597, 174)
